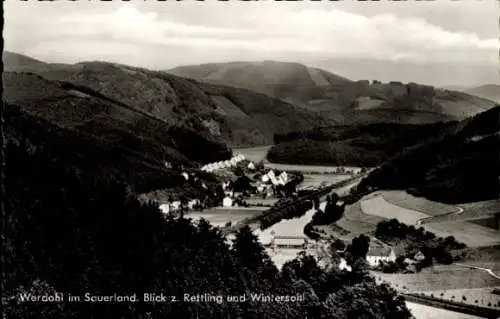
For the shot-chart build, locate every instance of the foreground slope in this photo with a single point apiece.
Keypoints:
(459, 165)
(339, 100)
(235, 116)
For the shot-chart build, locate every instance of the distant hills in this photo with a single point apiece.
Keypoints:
(269, 77)
(338, 99)
(489, 91)
(408, 70)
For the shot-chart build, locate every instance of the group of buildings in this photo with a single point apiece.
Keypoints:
(233, 162)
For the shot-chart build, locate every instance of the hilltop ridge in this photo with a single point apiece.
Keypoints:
(338, 99)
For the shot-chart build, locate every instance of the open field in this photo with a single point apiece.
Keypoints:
(309, 168)
(471, 234)
(219, 216)
(253, 201)
(378, 206)
(472, 211)
(476, 296)
(487, 256)
(426, 312)
(254, 154)
(440, 212)
(438, 279)
(317, 180)
(356, 221)
(419, 204)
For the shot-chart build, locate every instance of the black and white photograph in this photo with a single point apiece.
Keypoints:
(256, 159)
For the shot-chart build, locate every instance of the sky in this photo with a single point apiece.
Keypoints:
(162, 35)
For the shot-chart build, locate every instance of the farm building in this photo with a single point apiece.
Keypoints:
(343, 265)
(376, 254)
(419, 256)
(296, 242)
(165, 208)
(227, 202)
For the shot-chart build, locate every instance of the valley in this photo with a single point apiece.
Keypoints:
(221, 161)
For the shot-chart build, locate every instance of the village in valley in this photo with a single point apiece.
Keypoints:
(401, 254)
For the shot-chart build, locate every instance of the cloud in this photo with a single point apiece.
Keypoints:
(267, 31)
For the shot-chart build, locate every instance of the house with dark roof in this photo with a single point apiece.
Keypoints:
(379, 253)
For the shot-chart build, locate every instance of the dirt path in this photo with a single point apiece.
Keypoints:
(488, 270)
(459, 211)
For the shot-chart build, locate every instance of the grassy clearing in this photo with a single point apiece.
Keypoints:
(309, 168)
(472, 211)
(438, 279)
(476, 296)
(419, 204)
(220, 216)
(378, 206)
(356, 221)
(315, 180)
(483, 255)
(255, 201)
(471, 234)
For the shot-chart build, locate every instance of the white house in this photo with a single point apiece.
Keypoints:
(284, 176)
(271, 174)
(265, 178)
(233, 161)
(251, 166)
(227, 202)
(165, 208)
(175, 205)
(343, 265)
(377, 254)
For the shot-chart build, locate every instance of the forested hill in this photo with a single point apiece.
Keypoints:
(99, 135)
(237, 117)
(76, 233)
(462, 164)
(357, 145)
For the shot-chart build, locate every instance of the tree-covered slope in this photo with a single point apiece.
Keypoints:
(462, 164)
